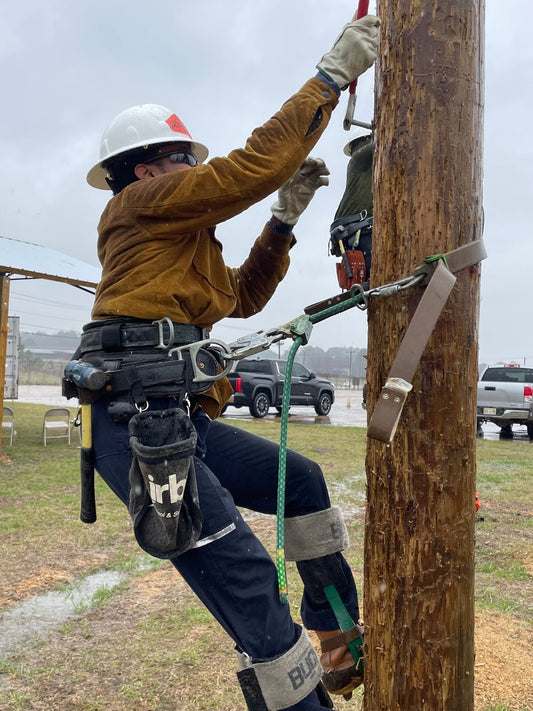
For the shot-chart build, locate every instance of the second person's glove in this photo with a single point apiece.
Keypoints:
(354, 51)
(296, 194)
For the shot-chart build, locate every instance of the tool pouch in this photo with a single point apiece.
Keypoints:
(351, 238)
(356, 260)
(163, 501)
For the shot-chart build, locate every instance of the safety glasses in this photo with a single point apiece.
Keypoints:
(176, 157)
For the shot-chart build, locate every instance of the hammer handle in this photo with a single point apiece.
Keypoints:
(88, 500)
(362, 10)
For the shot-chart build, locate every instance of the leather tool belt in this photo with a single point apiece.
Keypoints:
(119, 334)
(348, 231)
(142, 360)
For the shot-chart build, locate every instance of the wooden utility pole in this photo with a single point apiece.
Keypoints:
(419, 547)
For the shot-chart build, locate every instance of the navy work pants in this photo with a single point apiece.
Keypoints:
(233, 574)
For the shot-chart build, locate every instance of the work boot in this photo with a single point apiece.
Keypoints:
(342, 673)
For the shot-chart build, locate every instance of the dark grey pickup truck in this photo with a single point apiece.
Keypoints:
(258, 384)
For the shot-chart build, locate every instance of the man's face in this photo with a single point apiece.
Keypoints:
(167, 159)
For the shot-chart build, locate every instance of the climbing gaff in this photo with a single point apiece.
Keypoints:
(362, 10)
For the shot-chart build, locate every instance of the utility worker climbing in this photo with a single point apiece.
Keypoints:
(155, 437)
(351, 230)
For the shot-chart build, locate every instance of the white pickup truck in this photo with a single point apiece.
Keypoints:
(505, 397)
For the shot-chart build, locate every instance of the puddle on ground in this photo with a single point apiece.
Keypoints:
(33, 619)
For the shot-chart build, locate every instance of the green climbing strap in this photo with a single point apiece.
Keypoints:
(345, 622)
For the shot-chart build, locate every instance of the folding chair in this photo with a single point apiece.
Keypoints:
(8, 423)
(56, 420)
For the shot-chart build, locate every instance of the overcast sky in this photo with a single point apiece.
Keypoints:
(68, 68)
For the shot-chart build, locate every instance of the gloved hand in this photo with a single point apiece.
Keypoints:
(354, 51)
(296, 194)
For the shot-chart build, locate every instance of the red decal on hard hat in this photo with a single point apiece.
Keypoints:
(177, 125)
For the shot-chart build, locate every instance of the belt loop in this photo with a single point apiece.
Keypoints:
(160, 323)
(112, 336)
(136, 387)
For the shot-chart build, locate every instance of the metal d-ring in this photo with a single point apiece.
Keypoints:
(358, 289)
(160, 322)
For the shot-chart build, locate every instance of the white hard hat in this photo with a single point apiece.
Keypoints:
(137, 127)
(358, 133)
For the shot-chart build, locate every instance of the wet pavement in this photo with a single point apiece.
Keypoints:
(44, 395)
(491, 431)
(346, 410)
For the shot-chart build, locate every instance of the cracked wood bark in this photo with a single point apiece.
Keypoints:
(419, 543)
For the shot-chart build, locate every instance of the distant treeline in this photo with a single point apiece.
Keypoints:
(43, 356)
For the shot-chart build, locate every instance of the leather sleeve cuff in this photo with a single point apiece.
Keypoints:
(329, 81)
(282, 229)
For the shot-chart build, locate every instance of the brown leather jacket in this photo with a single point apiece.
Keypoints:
(157, 243)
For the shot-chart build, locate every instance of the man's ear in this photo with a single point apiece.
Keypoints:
(143, 171)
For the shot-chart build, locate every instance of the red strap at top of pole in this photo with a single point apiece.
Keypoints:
(362, 10)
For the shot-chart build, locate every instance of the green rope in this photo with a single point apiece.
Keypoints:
(336, 309)
(282, 471)
(301, 328)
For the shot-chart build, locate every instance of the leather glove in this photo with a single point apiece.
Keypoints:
(296, 194)
(354, 51)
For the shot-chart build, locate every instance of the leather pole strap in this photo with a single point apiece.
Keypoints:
(386, 414)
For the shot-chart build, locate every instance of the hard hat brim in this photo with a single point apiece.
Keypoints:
(362, 133)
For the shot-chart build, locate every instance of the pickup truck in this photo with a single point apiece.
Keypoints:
(258, 384)
(505, 397)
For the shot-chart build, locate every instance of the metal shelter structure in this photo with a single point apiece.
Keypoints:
(24, 260)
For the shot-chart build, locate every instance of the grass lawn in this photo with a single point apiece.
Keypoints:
(149, 644)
